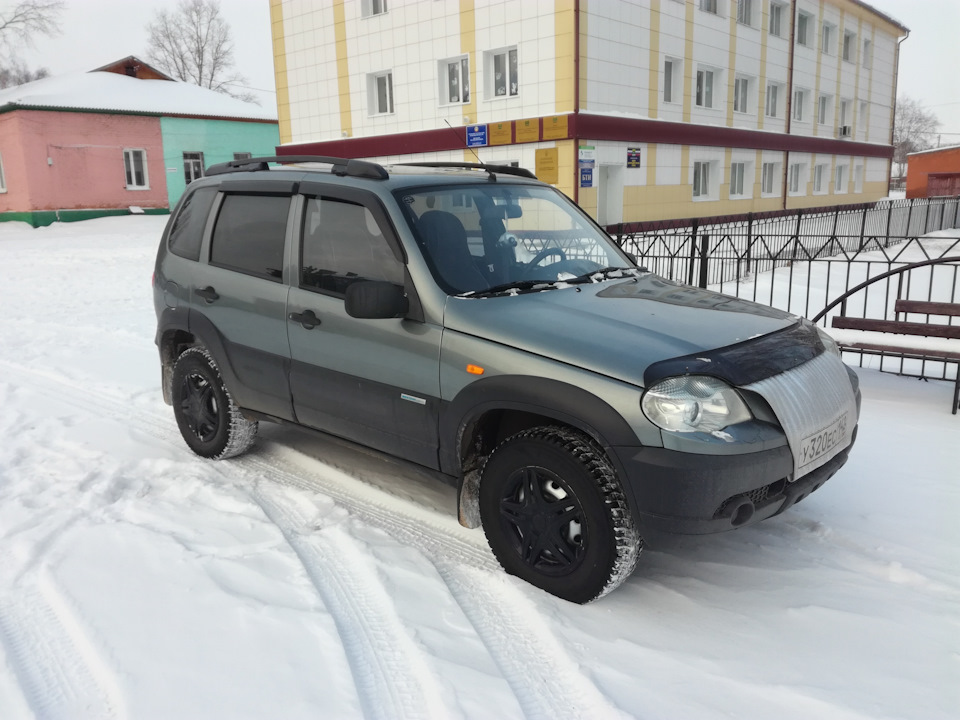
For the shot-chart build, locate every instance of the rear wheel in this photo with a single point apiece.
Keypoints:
(555, 515)
(209, 421)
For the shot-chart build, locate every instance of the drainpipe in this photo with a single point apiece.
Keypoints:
(893, 119)
(786, 154)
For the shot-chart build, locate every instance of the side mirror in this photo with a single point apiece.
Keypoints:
(375, 300)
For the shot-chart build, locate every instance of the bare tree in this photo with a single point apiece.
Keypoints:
(19, 26)
(914, 129)
(192, 43)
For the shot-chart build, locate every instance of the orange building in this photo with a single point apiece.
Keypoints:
(931, 173)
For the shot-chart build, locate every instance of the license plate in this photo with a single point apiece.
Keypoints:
(823, 444)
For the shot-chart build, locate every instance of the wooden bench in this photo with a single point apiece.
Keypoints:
(904, 327)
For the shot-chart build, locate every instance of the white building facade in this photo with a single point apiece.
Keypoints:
(637, 109)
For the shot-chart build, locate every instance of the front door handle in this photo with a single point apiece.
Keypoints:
(208, 294)
(307, 320)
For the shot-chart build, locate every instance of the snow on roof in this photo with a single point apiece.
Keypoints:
(933, 150)
(112, 92)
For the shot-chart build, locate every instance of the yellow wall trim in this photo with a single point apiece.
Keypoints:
(343, 67)
(280, 70)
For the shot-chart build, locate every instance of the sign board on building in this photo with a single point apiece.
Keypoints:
(586, 177)
(633, 157)
(528, 130)
(476, 135)
(548, 165)
(555, 128)
(586, 161)
(501, 133)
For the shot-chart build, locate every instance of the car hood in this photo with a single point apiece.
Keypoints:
(616, 328)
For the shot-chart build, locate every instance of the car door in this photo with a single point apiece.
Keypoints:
(238, 298)
(375, 382)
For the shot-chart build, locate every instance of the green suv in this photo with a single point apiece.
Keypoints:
(472, 320)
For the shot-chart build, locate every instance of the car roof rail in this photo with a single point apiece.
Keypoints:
(492, 169)
(341, 166)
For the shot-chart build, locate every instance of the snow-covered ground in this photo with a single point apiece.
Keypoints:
(309, 579)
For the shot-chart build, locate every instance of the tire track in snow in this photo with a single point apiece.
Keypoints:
(392, 677)
(59, 669)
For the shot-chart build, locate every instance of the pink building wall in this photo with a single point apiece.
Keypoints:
(69, 160)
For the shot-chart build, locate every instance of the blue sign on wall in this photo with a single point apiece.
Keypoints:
(586, 177)
(476, 136)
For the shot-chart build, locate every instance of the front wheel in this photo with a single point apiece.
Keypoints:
(555, 515)
(209, 421)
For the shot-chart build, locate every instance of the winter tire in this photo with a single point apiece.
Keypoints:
(209, 421)
(555, 515)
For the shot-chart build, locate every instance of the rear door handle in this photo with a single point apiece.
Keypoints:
(307, 319)
(208, 294)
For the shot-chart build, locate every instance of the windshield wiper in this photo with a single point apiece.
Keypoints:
(518, 285)
(604, 273)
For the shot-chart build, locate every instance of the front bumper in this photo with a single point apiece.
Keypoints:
(690, 494)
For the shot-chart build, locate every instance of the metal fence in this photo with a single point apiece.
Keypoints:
(800, 260)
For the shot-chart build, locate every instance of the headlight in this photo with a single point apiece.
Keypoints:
(828, 342)
(693, 403)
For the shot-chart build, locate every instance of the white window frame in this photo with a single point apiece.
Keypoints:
(862, 115)
(846, 111)
(867, 58)
(3, 176)
(701, 180)
(820, 173)
(775, 26)
(745, 12)
(858, 179)
(769, 185)
(738, 174)
(805, 23)
(795, 179)
(372, 8)
(849, 50)
(710, 6)
(799, 103)
(823, 109)
(190, 177)
(773, 100)
(461, 65)
(129, 172)
(490, 73)
(840, 179)
(826, 37)
(741, 94)
(373, 93)
(671, 78)
(706, 81)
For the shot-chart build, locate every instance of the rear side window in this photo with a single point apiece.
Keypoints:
(187, 231)
(249, 235)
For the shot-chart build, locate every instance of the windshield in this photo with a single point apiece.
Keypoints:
(497, 235)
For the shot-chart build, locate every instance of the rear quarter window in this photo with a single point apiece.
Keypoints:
(249, 235)
(186, 234)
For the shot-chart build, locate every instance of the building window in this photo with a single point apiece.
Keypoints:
(773, 99)
(709, 6)
(745, 12)
(826, 40)
(858, 179)
(501, 70)
(840, 184)
(705, 88)
(737, 173)
(192, 166)
(804, 23)
(845, 119)
(776, 19)
(135, 167)
(820, 173)
(672, 73)
(455, 81)
(799, 102)
(823, 109)
(741, 95)
(867, 54)
(701, 180)
(862, 115)
(373, 7)
(3, 177)
(796, 178)
(768, 177)
(380, 93)
(242, 156)
(850, 46)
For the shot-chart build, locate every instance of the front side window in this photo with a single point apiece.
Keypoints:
(192, 166)
(701, 180)
(455, 81)
(249, 235)
(135, 168)
(380, 93)
(477, 237)
(342, 243)
(705, 88)
(503, 73)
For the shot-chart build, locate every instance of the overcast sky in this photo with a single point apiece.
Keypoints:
(96, 32)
